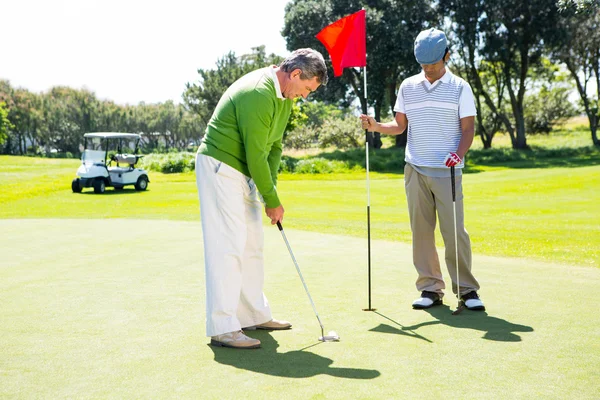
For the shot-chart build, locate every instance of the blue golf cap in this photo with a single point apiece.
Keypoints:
(430, 46)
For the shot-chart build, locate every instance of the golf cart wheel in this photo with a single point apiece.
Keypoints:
(99, 186)
(142, 183)
(76, 186)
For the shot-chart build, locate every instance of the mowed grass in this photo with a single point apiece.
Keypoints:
(114, 308)
(102, 296)
(547, 214)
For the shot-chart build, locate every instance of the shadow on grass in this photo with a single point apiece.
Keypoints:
(293, 364)
(384, 328)
(495, 329)
(112, 192)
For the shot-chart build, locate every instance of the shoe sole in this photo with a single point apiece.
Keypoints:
(435, 303)
(254, 328)
(476, 308)
(221, 344)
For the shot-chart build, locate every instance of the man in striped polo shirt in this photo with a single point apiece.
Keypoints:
(236, 175)
(439, 110)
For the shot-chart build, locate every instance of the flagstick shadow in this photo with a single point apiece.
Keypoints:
(293, 364)
(383, 328)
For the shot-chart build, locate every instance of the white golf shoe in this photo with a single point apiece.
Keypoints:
(427, 299)
(472, 301)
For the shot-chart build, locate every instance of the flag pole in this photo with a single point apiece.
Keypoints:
(346, 42)
(368, 193)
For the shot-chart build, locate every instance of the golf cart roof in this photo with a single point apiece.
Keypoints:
(112, 135)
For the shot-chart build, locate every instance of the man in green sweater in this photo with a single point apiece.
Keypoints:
(236, 173)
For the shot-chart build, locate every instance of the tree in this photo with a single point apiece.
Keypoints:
(511, 34)
(56, 120)
(24, 116)
(191, 129)
(579, 5)
(390, 38)
(390, 46)
(492, 106)
(6, 97)
(516, 32)
(485, 77)
(297, 118)
(302, 21)
(5, 124)
(579, 50)
(67, 114)
(27, 120)
(309, 119)
(547, 100)
(202, 97)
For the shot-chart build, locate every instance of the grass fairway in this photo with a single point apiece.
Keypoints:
(114, 309)
(548, 214)
(102, 296)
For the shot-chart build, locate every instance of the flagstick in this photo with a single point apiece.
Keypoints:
(368, 197)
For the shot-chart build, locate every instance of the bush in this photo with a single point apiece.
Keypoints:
(60, 154)
(536, 156)
(545, 109)
(288, 164)
(169, 163)
(301, 137)
(382, 160)
(320, 166)
(342, 133)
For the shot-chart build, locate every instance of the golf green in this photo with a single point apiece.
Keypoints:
(115, 309)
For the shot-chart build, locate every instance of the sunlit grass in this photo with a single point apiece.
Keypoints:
(98, 309)
(543, 213)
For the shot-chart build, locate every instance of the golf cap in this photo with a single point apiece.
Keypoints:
(430, 46)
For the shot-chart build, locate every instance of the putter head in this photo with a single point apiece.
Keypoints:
(330, 337)
(459, 309)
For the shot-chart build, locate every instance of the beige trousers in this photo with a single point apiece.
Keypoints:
(426, 196)
(233, 247)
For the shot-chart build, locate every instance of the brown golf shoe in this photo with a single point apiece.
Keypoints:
(236, 340)
(272, 325)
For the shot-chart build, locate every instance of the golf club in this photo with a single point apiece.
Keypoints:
(331, 335)
(460, 305)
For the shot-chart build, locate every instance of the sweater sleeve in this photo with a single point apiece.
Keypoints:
(275, 159)
(255, 119)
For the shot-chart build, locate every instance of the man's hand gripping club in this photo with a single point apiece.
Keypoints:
(275, 214)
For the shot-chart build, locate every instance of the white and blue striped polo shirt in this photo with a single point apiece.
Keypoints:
(434, 112)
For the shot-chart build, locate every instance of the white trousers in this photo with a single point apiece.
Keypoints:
(233, 247)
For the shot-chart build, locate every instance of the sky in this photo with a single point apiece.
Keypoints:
(130, 51)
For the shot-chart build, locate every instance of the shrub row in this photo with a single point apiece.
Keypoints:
(389, 160)
(169, 163)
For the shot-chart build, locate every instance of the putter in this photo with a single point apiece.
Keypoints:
(461, 305)
(331, 335)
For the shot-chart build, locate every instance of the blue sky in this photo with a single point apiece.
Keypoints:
(130, 50)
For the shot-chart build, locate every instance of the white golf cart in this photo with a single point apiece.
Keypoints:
(97, 170)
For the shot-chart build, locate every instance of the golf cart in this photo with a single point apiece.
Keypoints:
(97, 170)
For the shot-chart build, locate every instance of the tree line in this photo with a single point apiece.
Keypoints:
(54, 121)
(522, 60)
(508, 50)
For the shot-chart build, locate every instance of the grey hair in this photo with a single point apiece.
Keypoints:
(309, 61)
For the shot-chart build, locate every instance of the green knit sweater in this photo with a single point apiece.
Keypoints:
(246, 131)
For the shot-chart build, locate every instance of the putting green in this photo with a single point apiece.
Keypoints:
(115, 309)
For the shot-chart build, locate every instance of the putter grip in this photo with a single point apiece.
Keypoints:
(452, 176)
(279, 226)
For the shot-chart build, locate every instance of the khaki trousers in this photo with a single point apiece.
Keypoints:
(233, 247)
(426, 196)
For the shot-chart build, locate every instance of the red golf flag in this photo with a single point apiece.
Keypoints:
(346, 42)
